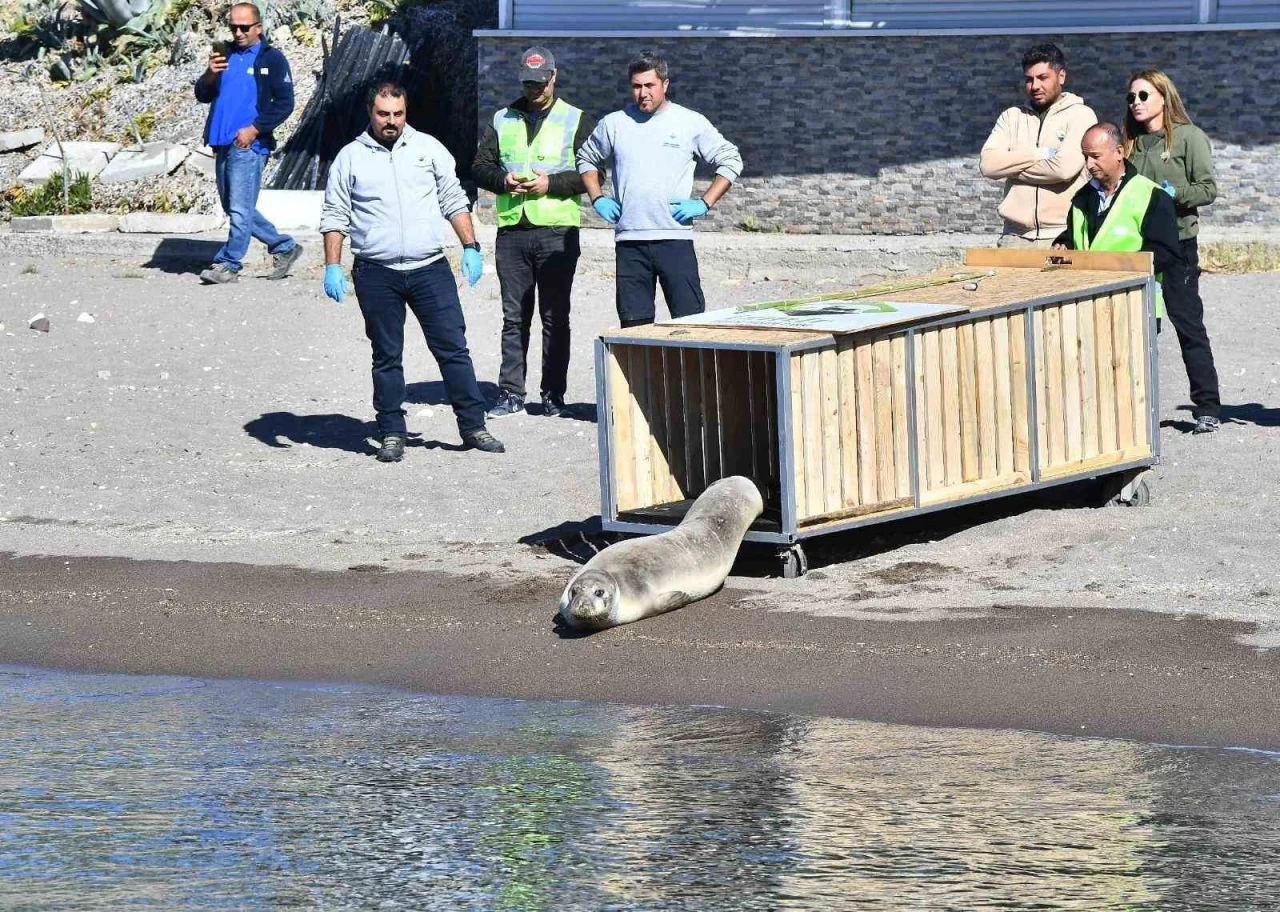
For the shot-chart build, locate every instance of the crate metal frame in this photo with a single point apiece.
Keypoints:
(791, 532)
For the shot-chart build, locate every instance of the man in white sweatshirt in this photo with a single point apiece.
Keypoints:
(653, 145)
(1035, 150)
(383, 190)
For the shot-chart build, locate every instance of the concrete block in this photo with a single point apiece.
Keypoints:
(300, 210)
(152, 160)
(67, 224)
(292, 210)
(170, 223)
(21, 139)
(200, 160)
(82, 158)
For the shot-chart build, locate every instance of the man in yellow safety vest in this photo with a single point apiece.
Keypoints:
(1119, 210)
(527, 157)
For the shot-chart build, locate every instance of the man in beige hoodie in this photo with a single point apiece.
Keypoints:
(1035, 150)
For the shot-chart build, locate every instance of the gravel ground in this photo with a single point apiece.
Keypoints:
(228, 424)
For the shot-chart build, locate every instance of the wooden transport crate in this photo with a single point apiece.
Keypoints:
(1048, 377)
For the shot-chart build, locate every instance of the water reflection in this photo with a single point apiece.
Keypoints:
(168, 793)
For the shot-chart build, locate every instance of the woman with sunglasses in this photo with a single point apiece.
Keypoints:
(1164, 145)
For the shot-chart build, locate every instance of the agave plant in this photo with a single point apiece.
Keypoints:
(44, 24)
(114, 12)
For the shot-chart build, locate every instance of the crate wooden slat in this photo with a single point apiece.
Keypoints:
(1046, 378)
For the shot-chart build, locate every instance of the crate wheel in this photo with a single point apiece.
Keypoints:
(1134, 494)
(1126, 489)
(794, 562)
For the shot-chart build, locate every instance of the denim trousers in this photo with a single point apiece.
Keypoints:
(544, 260)
(239, 176)
(432, 294)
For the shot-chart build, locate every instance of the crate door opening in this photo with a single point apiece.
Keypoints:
(683, 418)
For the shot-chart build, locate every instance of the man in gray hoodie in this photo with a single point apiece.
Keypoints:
(653, 145)
(385, 191)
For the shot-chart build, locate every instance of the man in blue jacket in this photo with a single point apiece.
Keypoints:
(250, 90)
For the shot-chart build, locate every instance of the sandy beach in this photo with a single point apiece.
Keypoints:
(186, 486)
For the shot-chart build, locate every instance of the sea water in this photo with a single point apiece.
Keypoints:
(171, 793)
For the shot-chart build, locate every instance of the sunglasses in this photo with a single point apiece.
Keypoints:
(244, 28)
(1137, 96)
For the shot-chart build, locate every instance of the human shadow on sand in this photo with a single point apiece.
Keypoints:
(182, 256)
(335, 432)
(1254, 413)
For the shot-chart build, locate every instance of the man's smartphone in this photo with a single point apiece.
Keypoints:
(218, 47)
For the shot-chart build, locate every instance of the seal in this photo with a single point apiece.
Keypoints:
(641, 577)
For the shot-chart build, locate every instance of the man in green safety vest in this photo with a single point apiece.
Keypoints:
(1119, 210)
(527, 156)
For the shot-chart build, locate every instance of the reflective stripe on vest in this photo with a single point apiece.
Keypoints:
(1121, 230)
(551, 151)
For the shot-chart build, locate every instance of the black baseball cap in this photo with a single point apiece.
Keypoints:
(537, 65)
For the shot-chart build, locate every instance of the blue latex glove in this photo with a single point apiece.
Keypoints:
(608, 209)
(335, 283)
(685, 211)
(1168, 188)
(472, 266)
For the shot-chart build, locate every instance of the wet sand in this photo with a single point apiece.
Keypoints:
(1115, 673)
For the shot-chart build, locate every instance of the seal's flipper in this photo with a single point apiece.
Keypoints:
(670, 601)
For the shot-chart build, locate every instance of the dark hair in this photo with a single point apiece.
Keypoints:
(1044, 53)
(646, 61)
(1110, 131)
(385, 88)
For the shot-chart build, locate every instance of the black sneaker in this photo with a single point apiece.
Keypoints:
(552, 405)
(482, 440)
(392, 448)
(1206, 424)
(508, 404)
(281, 263)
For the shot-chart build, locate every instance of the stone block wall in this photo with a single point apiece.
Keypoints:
(874, 134)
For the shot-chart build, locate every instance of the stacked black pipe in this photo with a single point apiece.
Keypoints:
(336, 112)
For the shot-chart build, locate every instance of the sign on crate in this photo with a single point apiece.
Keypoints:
(833, 315)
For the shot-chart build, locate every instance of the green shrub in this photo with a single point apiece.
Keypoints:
(47, 198)
(140, 129)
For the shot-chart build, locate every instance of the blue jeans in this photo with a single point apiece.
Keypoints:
(432, 294)
(239, 175)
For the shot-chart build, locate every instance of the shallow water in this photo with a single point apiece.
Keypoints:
(171, 793)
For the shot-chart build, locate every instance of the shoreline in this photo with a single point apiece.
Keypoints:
(1171, 679)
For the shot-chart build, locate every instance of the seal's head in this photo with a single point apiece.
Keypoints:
(591, 600)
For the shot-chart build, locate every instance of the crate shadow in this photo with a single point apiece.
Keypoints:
(581, 540)
(576, 541)
(870, 541)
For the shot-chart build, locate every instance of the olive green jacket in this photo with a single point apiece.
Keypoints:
(1189, 168)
